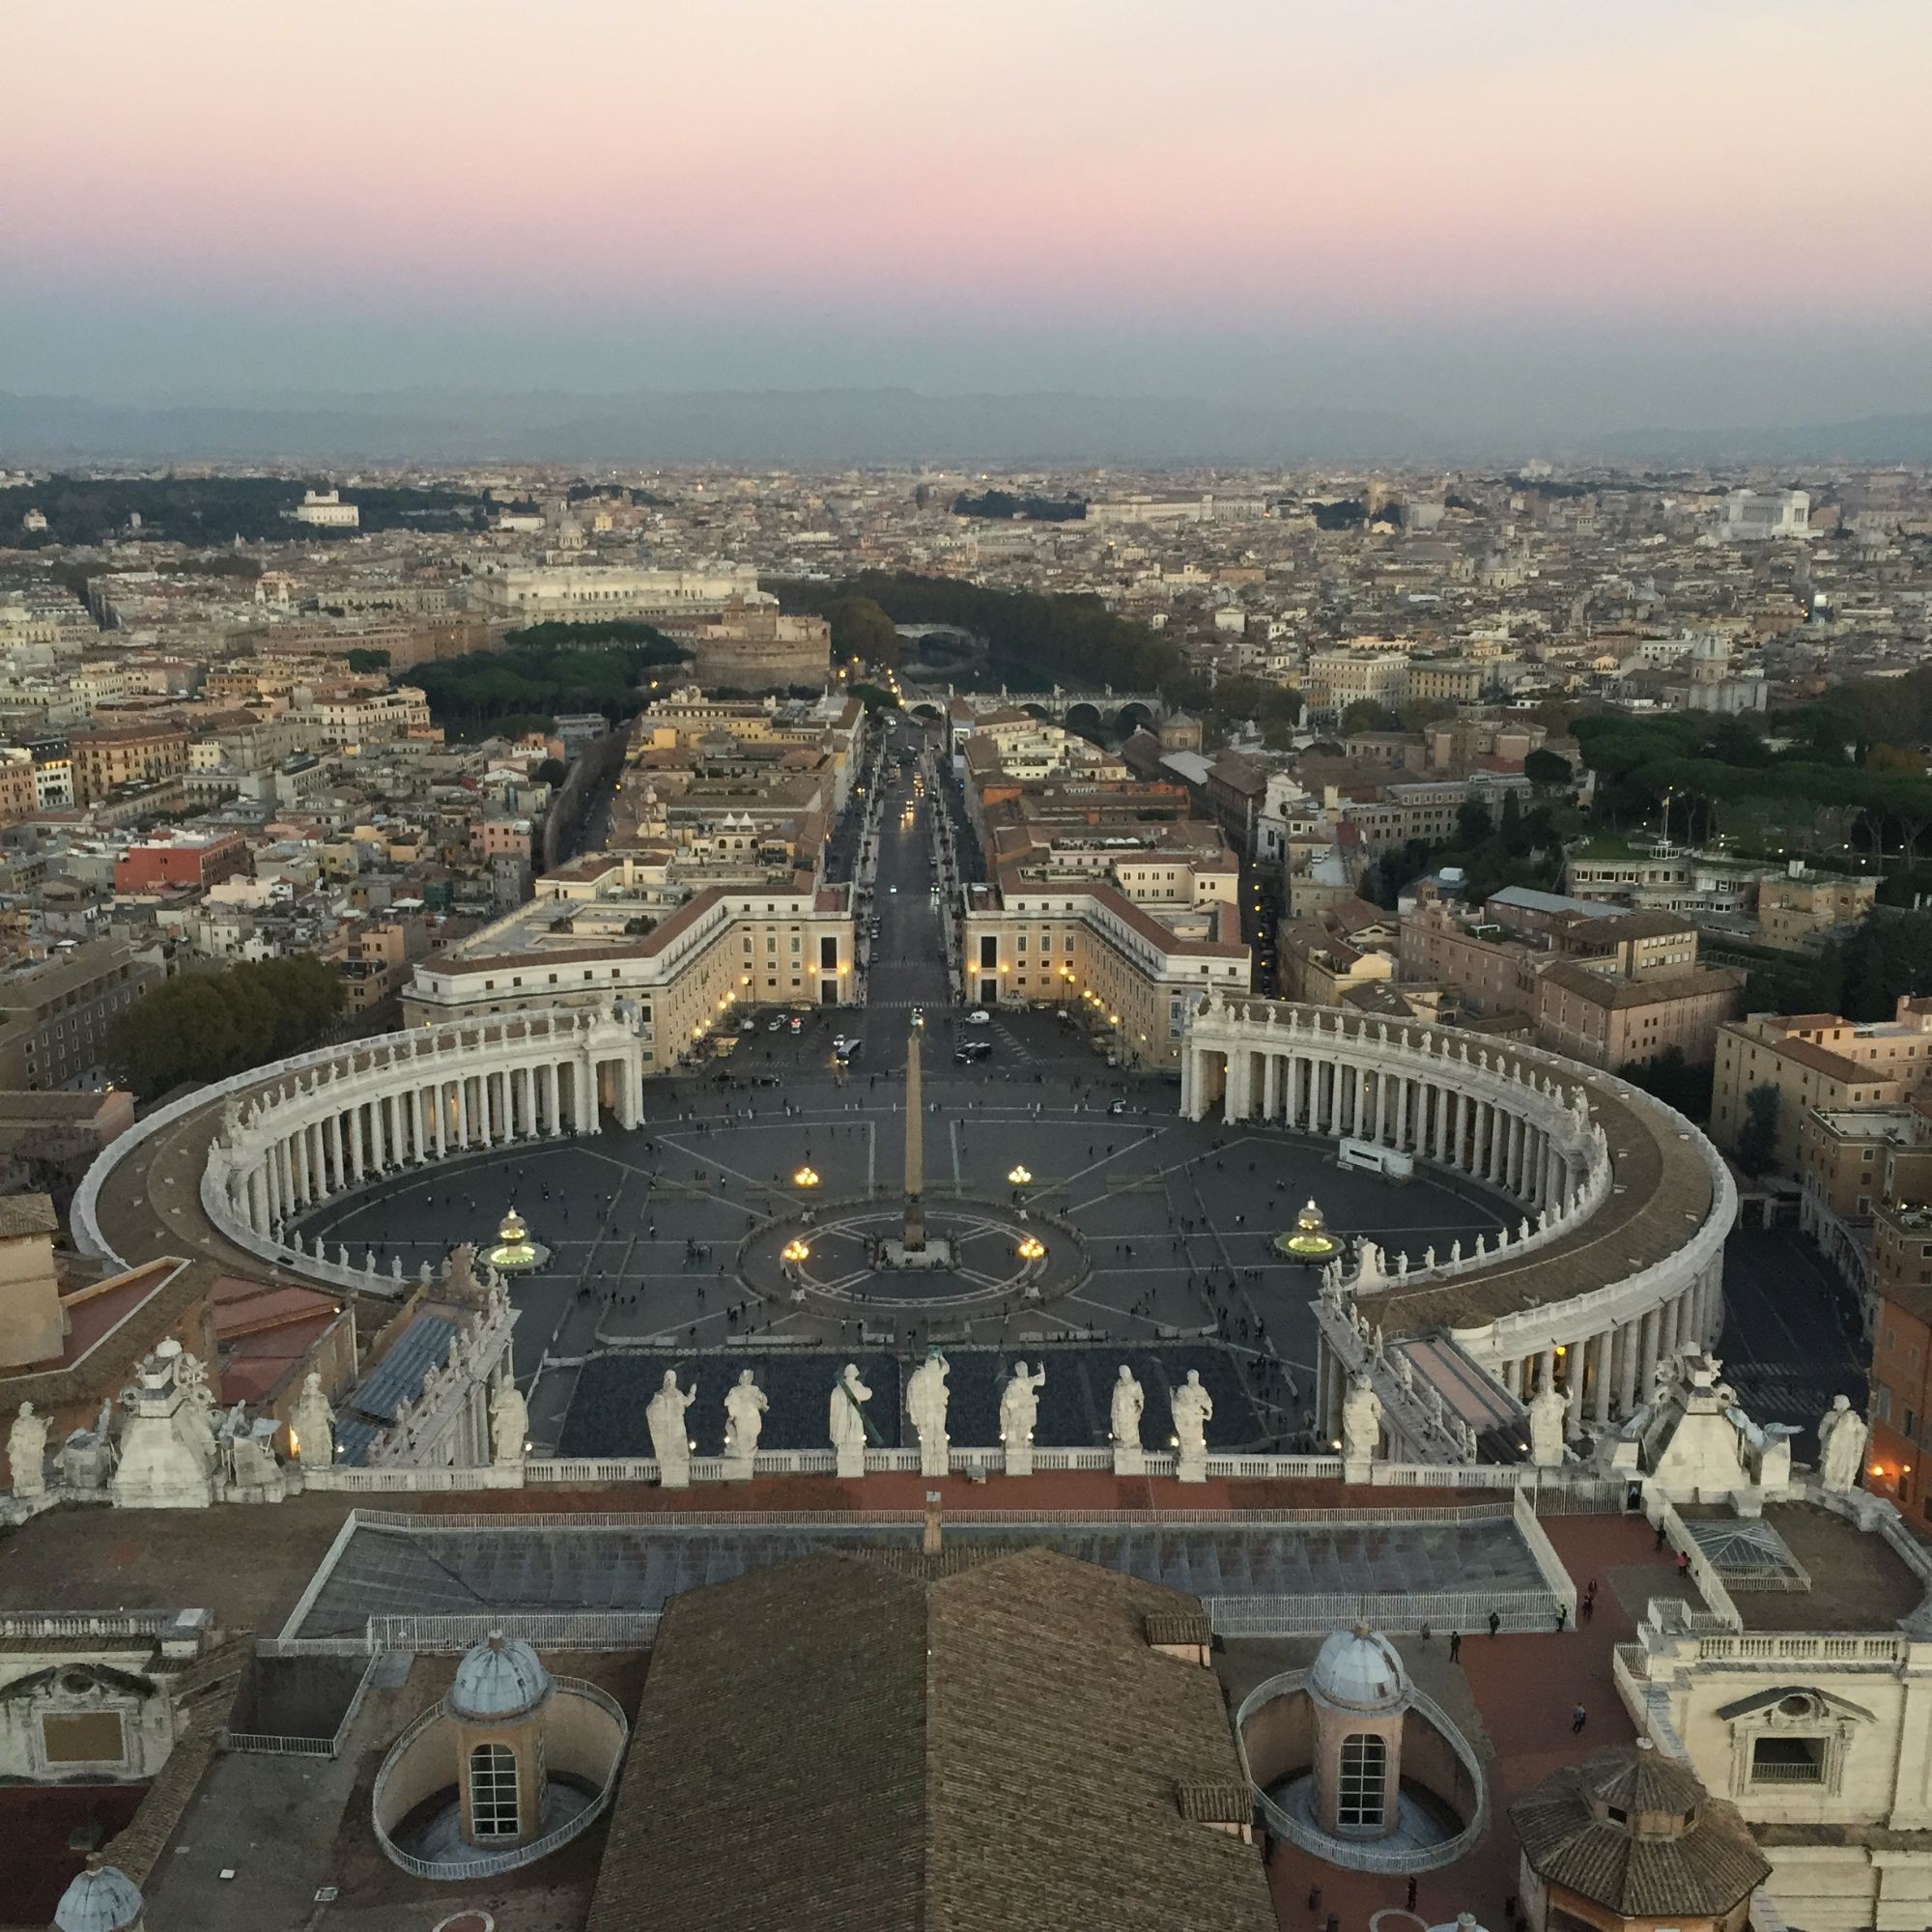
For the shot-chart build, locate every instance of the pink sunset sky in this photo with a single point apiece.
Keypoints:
(1203, 195)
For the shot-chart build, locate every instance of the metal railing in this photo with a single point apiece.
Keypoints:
(1394, 1610)
(559, 1630)
(1348, 1853)
(499, 1862)
(269, 1744)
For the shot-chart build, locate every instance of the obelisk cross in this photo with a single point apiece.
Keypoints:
(915, 1148)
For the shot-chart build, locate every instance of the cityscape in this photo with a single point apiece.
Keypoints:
(847, 1082)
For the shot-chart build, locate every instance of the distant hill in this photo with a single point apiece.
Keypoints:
(729, 426)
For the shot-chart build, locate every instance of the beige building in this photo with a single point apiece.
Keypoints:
(53, 1021)
(109, 755)
(1816, 1060)
(1039, 937)
(1605, 1017)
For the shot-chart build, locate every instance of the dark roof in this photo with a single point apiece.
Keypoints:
(395, 1379)
(1650, 1863)
(849, 1746)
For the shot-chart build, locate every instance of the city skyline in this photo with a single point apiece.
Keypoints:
(1494, 220)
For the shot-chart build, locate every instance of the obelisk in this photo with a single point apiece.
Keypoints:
(915, 1149)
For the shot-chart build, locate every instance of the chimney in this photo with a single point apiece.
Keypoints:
(932, 1540)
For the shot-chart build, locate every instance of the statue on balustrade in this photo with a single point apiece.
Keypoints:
(1548, 1419)
(1128, 1405)
(846, 1421)
(27, 1453)
(745, 1405)
(312, 1424)
(926, 1405)
(509, 1424)
(1193, 1409)
(1019, 1405)
(1841, 1446)
(671, 1439)
(1361, 1427)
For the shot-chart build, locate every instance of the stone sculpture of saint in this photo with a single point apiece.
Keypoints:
(847, 1418)
(1841, 1446)
(1549, 1416)
(1361, 1421)
(313, 1425)
(926, 1403)
(1130, 1401)
(664, 1415)
(745, 1405)
(27, 1452)
(1019, 1405)
(509, 1424)
(1193, 1411)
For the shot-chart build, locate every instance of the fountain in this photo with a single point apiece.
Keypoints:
(1309, 1240)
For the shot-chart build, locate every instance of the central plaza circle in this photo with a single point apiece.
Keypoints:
(667, 1240)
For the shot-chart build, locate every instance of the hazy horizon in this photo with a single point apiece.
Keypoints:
(1494, 222)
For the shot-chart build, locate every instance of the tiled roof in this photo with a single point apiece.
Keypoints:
(1648, 1863)
(988, 1746)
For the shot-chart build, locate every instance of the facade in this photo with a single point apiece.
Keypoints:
(107, 757)
(326, 510)
(1606, 1019)
(753, 646)
(1816, 1060)
(683, 970)
(673, 600)
(189, 859)
(53, 1021)
(1083, 945)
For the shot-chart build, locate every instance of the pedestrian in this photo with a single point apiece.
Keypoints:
(1578, 1717)
(1586, 1609)
(1455, 1646)
(1496, 1621)
(1660, 1535)
(1562, 1617)
(1411, 1891)
(1315, 1898)
(1682, 1563)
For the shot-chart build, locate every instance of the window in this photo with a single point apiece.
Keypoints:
(1788, 1761)
(492, 1791)
(1364, 1772)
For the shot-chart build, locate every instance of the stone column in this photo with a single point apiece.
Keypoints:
(1601, 1371)
(1271, 1086)
(331, 1129)
(1578, 1361)
(436, 1099)
(463, 1110)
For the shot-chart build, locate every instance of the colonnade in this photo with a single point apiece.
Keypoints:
(1434, 1113)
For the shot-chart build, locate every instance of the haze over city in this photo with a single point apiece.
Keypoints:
(1442, 229)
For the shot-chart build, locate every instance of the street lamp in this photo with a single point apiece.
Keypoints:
(796, 1251)
(805, 1177)
(1032, 1249)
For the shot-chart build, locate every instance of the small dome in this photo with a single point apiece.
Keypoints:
(501, 1677)
(1359, 1670)
(101, 1899)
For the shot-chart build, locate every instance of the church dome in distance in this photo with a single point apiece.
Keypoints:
(102, 1898)
(500, 1677)
(1359, 1670)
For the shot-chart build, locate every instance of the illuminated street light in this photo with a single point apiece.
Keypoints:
(1019, 1177)
(1032, 1249)
(805, 1177)
(796, 1251)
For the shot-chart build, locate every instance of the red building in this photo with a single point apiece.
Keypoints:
(180, 859)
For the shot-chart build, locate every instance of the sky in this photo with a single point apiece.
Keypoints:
(1543, 217)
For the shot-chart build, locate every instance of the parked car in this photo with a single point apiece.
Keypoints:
(970, 1050)
(979, 1016)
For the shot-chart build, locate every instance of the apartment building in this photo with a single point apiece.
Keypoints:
(173, 858)
(1816, 1060)
(107, 757)
(1604, 1017)
(673, 600)
(53, 1019)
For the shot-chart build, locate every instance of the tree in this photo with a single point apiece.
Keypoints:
(366, 657)
(553, 772)
(1473, 824)
(1515, 833)
(1887, 956)
(1673, 1080)
(862, 632)
(201, 1027)
(1758, 1138)
(1370, 714)
(1547, 770)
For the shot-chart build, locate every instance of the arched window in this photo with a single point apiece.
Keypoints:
(492, 1791)
(1363, 1776)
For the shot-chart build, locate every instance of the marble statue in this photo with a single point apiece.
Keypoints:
(27, 1453)
(1129, 1401)
(1193, 1409)
(848, 1421)
(1841, 1446)
(671, 1439)
(1361, 1429)
(1019, 1403)
(1019, 1409)
(509, 1424)
(745, 1405)
(1548, 1420)
(312, 1424)
(197, 1411)
(926, 1405)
